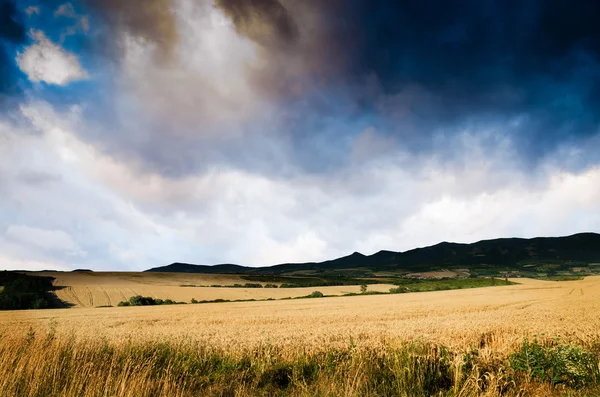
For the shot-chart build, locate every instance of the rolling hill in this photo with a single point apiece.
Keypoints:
(549, 255)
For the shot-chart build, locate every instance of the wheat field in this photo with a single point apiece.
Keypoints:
(454, 318)
(471, 342)
(93, 289)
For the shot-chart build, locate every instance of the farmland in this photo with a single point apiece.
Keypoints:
(88, 289)
(450, 317)
(269, 334)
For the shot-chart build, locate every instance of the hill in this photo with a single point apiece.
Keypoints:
(546, 256)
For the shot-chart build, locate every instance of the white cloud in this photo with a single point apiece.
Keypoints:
(10, 263)
(123, 217)
(48, 62)
(206, 81)
(49, 240)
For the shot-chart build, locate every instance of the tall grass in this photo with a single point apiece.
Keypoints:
(59, 365)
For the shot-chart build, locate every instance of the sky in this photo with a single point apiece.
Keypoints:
(136, 134)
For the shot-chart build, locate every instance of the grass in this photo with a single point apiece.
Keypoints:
(313, 281)
(48, 364)
(564, 278)
(412, 285)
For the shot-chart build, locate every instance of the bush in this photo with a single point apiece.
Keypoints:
(290, 285)
(139, 300)
(316, 294)
(271, 286)
(562, 364)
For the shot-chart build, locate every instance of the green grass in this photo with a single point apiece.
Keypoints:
(412, 285)
(316, 281)
(563, 278)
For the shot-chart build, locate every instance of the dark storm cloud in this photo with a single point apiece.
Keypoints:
(267, 22)
(151, 20)
(527, 69)
(460, 45)
(12, 34)
(432, 64)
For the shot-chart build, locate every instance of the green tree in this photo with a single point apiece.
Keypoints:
(363, 288)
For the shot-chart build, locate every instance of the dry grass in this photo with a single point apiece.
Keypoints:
(93, 289)
(61, 365)
(249, 339)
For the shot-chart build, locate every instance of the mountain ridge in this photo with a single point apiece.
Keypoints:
(509, 253)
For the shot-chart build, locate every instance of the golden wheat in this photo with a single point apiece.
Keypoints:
(90, 289)
(348, 345)
(454, 318)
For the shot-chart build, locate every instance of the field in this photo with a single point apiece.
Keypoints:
(487, 325)
(454, 318)
(88, 289)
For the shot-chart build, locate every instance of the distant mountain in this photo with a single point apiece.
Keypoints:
(178, 267)
(508, 253)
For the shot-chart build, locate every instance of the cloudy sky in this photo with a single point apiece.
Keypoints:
(135, 134)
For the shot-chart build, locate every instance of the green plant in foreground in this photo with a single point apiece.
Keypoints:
(55, 365)
(561, 364)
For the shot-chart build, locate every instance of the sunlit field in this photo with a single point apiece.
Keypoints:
(462, 342)
(89, 289)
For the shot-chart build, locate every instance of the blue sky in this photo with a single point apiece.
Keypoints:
(136, 134)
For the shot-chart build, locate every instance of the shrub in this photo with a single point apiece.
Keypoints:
(271, 286)
(139, 300)
(253, 285)
(316, 294)
(562, 364)
(290, 285)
